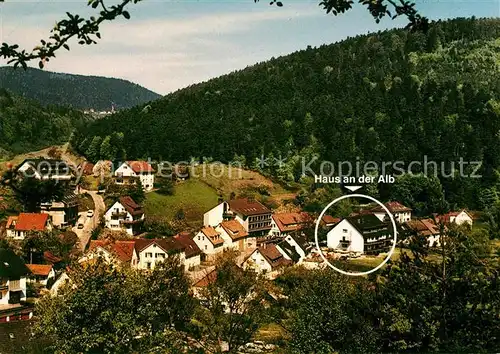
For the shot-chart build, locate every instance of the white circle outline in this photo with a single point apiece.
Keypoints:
(358, 196)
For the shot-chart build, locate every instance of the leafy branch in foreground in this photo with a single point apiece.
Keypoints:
(87, 30)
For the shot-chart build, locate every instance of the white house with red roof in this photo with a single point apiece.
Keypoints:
(136, 169)
(40, 273)
(283, 224)
(456, 217)
(192, 253)
(210, 241)
(125, 214)
(266, 259)
(118, 252)
(18, 226)
(235, 236)
(400, 212)
(152, 252)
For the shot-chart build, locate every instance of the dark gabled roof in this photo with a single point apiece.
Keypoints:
(168, 245)
(248, 206)
(131, 206)
(289, 250)
(301, 240)
(190, 247)
(11, 265)
(369, 225)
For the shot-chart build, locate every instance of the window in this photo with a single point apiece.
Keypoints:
(149, 255)
(199, 238)
(148, 265)
(206, 247)
(344, 231)
(160, 255)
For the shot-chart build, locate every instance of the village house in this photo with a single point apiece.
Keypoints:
(266, 259)
(13, 273)
(455, 217)
(235, 236)
(400, 212)
(130, 170)
(363, 233)
(40, 273)
(125, 214)
(284, 224)
(86, 168)
(45, 169)
(328, 221)
(19, 226)
(63, 212)
(120, 252)
(253, 215)
(209, 241)
(152, 252)
(294, 247)
(426, 228)
(217, 214)
(192, 253)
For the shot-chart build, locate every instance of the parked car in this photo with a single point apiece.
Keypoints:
(80, 226)
(90, 213)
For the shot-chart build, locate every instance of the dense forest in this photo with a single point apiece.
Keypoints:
(388, 96)
(25, 125)
(77, 91)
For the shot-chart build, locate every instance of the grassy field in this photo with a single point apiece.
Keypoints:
(192, 196)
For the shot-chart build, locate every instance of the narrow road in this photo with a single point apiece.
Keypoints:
(89, 223)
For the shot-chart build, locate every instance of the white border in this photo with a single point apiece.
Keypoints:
(358, 196)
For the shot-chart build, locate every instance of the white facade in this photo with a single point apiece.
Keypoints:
(257, 262)
(150, 256)
(43, 281)
(7, 286)
(121, 214)
(462, 218)
(206, 245)
(21, 234)
(215, 216)
(192, 262)
(344, 236)
(147, 178)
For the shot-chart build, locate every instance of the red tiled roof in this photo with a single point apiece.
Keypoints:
(49, 257)
(394, 207)
(29, 221)
(425, 227)
(292, 221)
(40, 269)
(131, 206)
(328, 219)
(445, 218)
(140, 166)
(168, 244)
(234, 229)
(212, 235)
(123, 250)
(190, 247)
(206, 280)
(248, 207)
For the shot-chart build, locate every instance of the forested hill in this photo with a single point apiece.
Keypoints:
(25, 125)
(77, 91)
(388, 96)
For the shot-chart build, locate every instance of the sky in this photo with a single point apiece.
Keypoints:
(168, 45)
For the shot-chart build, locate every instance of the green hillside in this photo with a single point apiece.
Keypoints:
(388, 96)
(26, 126)
(77, 91)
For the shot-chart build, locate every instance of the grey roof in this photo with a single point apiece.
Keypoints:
(289, 250)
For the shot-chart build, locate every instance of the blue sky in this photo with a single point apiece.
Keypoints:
(167, 45)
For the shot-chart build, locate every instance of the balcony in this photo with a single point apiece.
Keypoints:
(4, 286)
(118, 214)
(131, 222)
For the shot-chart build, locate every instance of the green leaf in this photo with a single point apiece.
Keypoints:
(40, 64)
(66, 46)
(126, 15)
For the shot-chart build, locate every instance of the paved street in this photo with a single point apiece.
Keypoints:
(89, 223)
